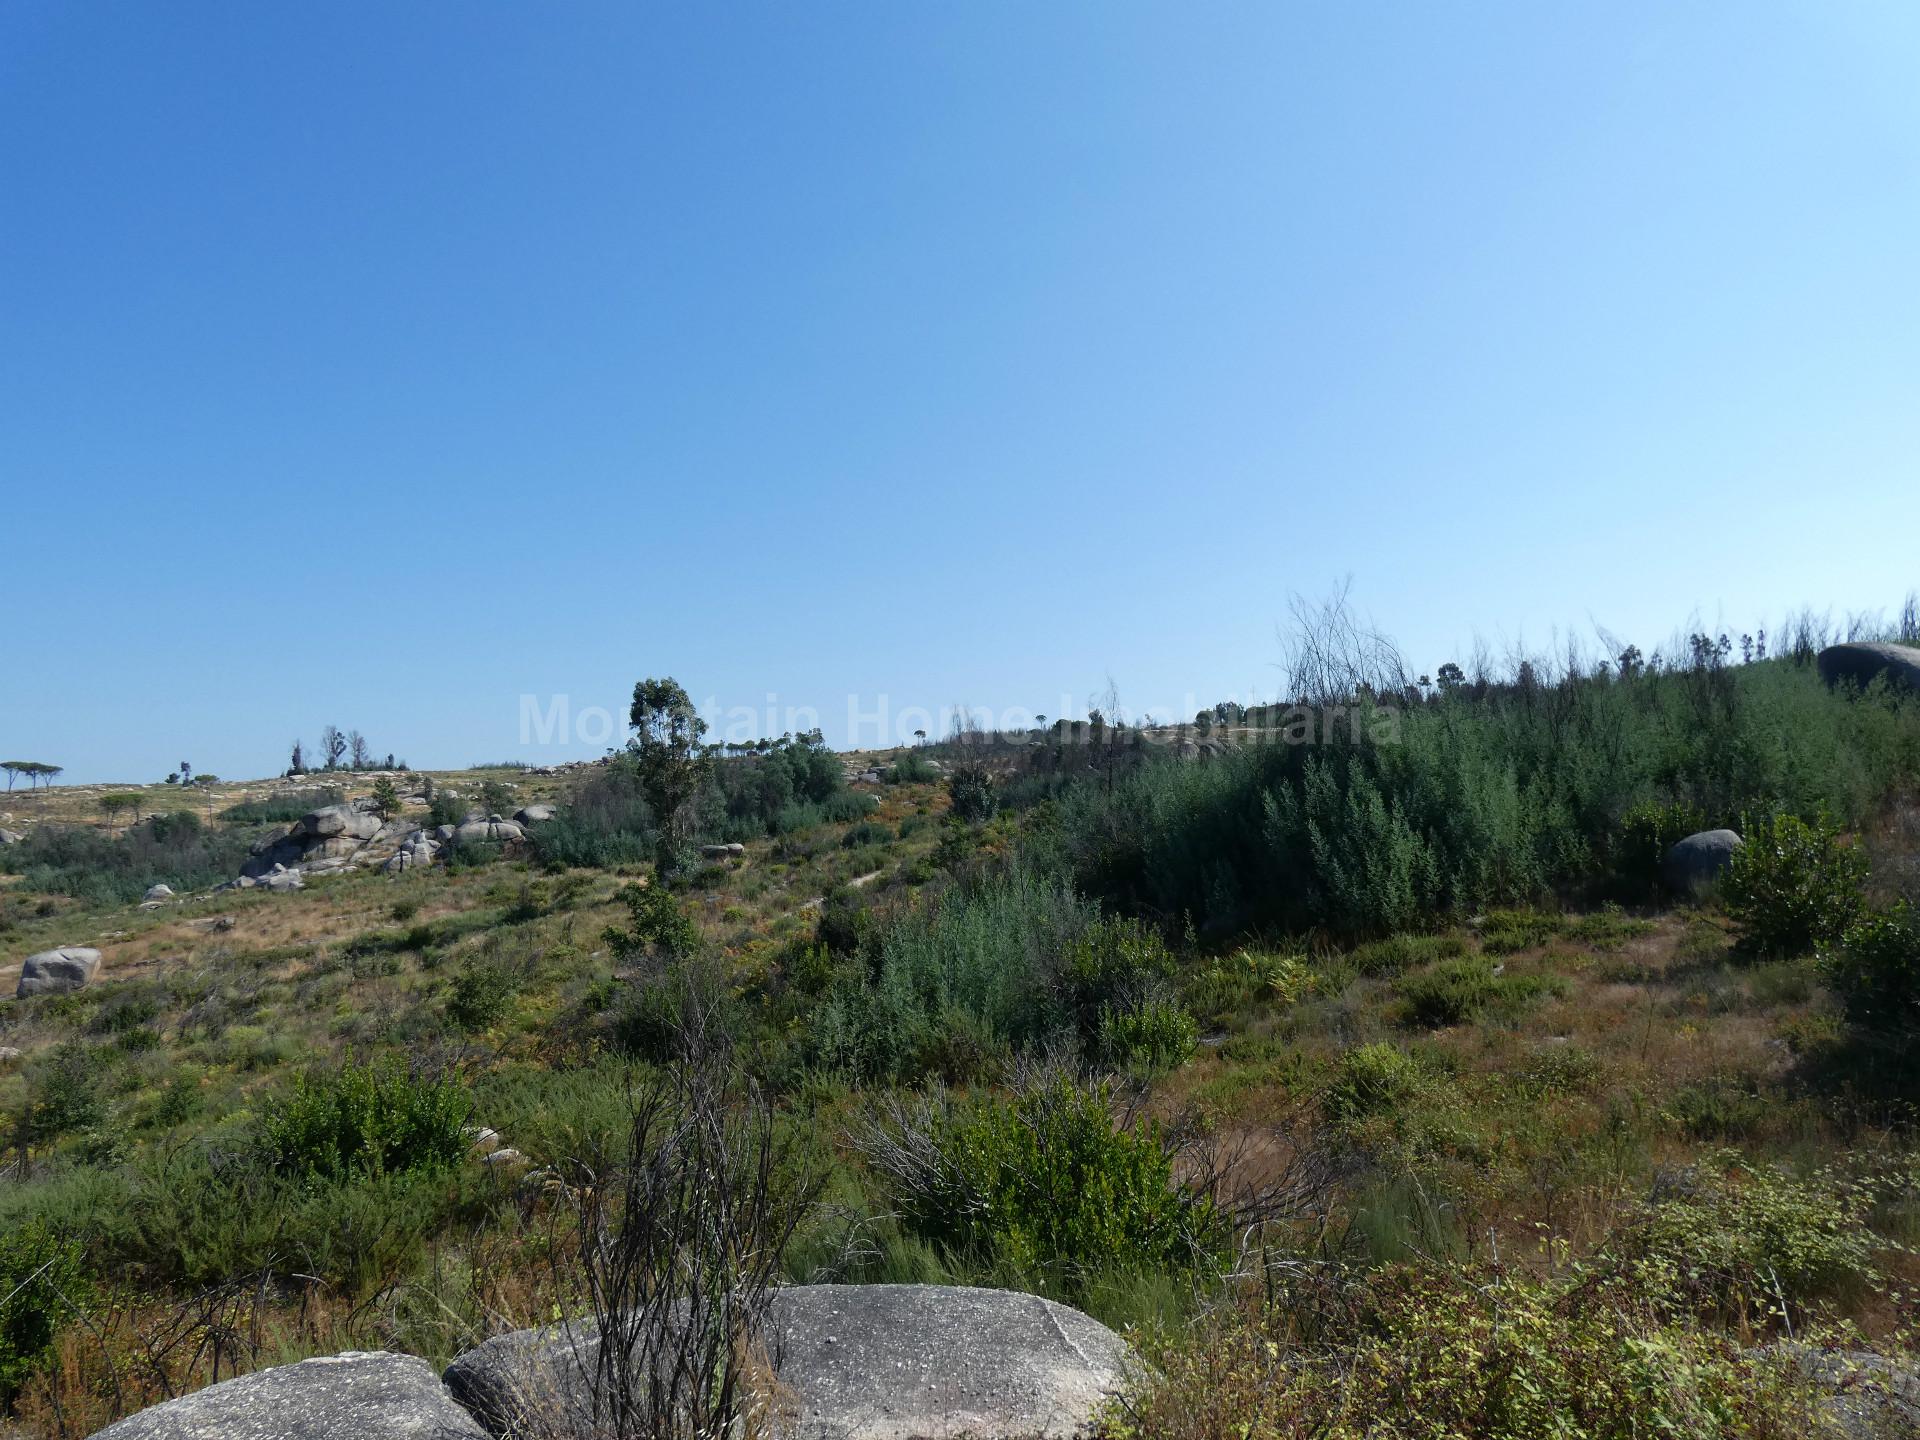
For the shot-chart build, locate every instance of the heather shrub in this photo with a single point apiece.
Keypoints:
(365, 1120)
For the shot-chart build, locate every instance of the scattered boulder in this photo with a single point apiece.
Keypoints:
(11, 837)
(356, 1396)
(9, 1054)
(534, 814)
(57, 972)
(853, 1362)
(1692, 864)
(1861, 664)
(158, 892)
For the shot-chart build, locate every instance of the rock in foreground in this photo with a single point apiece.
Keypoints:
(57, 972)
(373, 1396)
(854, 1362)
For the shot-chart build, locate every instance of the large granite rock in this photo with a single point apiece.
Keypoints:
(853, 1362)
(1693, 864)
(338, 820)
(534, 814)
(489, 828)
(1860, 664)
(356, 1396)
(57, 972)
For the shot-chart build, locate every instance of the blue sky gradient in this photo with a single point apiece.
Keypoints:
(379, 365)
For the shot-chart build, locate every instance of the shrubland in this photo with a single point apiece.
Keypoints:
(1339, 1073)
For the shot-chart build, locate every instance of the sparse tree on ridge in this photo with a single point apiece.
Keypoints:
(359, 756)
(333, 745)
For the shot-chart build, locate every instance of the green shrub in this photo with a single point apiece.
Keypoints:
(1371, 1080)
(1152, 1032)
(1045, 1186)
(1735, 1240)
(41, 1285)
(366, 1120)
(481, 995)
(64, 1093)
(911, 768)
(1405, 952)
(970, 790)
(1646, 832)
(659, 926)
(1456, 991)
(282, 809)
(867, 832)
(1876, 970)
(1793, 886)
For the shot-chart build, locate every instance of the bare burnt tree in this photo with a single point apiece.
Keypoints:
(678, 1250)
(1333, 655)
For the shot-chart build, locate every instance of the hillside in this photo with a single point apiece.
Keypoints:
(1322, 1070)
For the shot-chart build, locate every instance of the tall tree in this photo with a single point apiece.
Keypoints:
(669, 761)
(333, 745)
(15, 769)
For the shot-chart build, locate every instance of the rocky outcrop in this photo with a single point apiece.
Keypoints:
(488, 829)
(356, 1396)
(529, 815)
(334, 837)
(853, 1362)
(11, 837)
(1859, 663)
(157, 892)
(1693, 864)
(723, 852)
(57, 972)
(416, 852)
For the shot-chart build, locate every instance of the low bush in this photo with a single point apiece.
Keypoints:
(1147, 1032)
(1737, 1241)
(1044, 1186)
(867, 832)
(481, 995)
(1875, 971)
(1793, 886)
(365, 1120)
(1371, 1080)
(1456, 991)
(910, 769)
(970, 790)
(41, 1288)
(282, 809)
(1419, 1352)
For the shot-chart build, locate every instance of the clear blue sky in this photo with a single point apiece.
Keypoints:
(380, 364)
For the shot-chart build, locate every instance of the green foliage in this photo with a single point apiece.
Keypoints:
(1793, 886)
(1047, 1187)
(1433, 1350)
(365, 1120)
(1371, 1080)
(867, 832)
(173, 849)
(912, 768)
(971, 791)
(985, 962)
(386, 798)
(1646, 832)
(64, 1094)
(281, 809)
(1738, 1240)
(481, 995)
(41, 1284)
(1150, 1032)
(659, 926)
(1875, 971)
(1476, 800)
(1453, 992)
